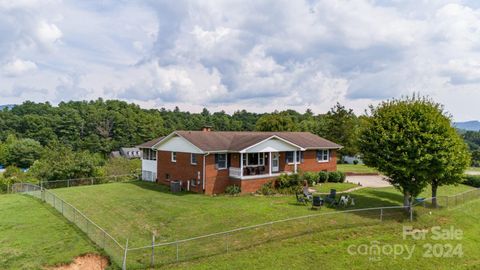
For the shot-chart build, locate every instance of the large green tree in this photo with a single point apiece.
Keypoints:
(341, 126)
(410, 140)
(19, 152)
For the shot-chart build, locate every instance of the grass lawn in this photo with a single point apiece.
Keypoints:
(325, 187)
(359, 168)
(136, 210)
(33, 235)
(329, 250)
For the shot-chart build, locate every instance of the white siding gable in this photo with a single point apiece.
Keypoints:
(272, 145)
(178, 144)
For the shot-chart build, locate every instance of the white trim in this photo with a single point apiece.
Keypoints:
(172, 155)
(323, 161)
(191, 156)
(168, 137)
(226, 162)
(269, 138)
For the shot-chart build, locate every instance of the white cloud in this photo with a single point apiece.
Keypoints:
(261, 55)
(17, 67)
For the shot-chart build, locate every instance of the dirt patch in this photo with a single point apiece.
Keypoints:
(84, 262)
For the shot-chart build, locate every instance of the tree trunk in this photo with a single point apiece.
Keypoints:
(406, 200)
(434, 195)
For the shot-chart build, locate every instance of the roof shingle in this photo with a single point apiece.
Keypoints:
(238, 140)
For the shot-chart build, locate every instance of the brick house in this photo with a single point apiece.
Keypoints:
(208, 161)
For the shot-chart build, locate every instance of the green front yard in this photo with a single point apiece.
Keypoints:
(359, 168)
(329, 250)
(34, 235)
(340, 187)
(137, 210)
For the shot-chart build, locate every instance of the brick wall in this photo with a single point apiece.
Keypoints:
(310, 162)
(181, 170)
(217, 180)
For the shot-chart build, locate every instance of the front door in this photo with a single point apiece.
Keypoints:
(275, 163)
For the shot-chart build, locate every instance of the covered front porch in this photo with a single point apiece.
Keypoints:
(266, 159)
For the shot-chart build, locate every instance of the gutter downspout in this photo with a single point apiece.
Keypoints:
(203, 172)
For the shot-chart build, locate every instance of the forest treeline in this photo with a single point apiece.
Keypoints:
(32, 130)
(102, 126)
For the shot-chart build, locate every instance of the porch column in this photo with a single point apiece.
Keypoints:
(270, 163)
(295, 161)
(241, 165)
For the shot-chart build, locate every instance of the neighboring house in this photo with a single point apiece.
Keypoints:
(209, 161)
(350, 159)
(127, 152)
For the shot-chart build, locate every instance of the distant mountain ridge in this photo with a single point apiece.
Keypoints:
(468, 125)
(9, 106)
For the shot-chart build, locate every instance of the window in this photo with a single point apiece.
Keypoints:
(253, 159)
(167, 176)
(149, 154)
(323, 155)
(221, 161)
(193, 159)
(174, 156)
(289, 157)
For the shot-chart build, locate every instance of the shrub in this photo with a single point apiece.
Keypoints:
(355, 162)
(323, 177)
(233, 190)
(266, 189)
(334, 177)
(472, 180)
(310, 177)
(343, 176)
(289, 180)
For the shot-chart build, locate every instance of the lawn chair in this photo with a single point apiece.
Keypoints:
(343, 201)
(317, 202)
(300, 199)
(330, 199)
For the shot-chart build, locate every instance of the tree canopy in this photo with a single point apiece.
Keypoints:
(412, 142)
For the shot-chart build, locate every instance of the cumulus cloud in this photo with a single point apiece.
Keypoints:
(259, 55)
(17, 67)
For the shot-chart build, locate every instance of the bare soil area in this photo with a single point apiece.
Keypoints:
(84, 262)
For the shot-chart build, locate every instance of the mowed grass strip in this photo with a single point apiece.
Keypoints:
(139, 209)
(329, 249)
(34, 235)
(352, 168)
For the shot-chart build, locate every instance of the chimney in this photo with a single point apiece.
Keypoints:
(207, 128)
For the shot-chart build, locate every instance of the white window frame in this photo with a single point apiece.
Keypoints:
(173, 156)
(192, 156)
(226, 161)
(325, 152)
(260, 159)
(299, 157)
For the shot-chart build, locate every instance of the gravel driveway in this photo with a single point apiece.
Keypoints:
(368, 180)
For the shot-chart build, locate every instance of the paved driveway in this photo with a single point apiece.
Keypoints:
(368, 180)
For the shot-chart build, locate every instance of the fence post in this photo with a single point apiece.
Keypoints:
(54, 201)
(62, 207)
(177, 249)
(124, 265)
(91, 181)
(381, 214)
(104, 238)
(226, 241)
(68, 183)
(152, 259)
(411, 212)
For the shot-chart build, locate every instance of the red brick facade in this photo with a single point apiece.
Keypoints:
(216, 180)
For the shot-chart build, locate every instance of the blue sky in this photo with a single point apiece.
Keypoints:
(228, 55)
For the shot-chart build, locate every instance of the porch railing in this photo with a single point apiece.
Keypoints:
(235, 172)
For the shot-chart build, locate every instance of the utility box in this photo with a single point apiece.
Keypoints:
(175, 186)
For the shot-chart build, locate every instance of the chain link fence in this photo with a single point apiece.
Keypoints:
(161, 254)
(88, 181)
(98, 235)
